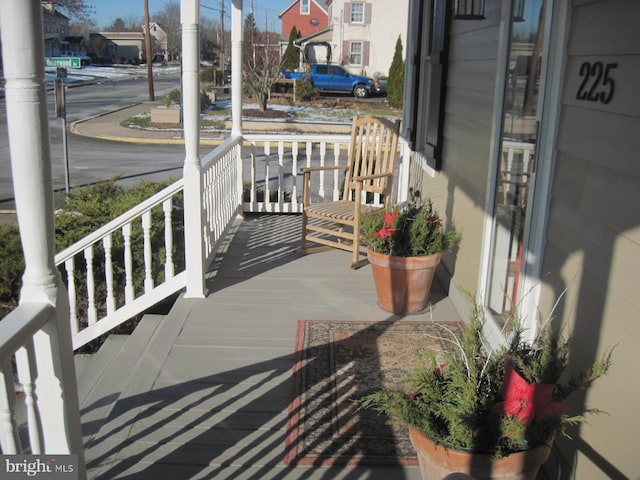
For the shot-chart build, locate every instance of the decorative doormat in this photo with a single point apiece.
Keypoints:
(337, 362)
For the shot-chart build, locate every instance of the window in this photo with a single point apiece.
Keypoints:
(304, 7)
(355, 53)
(357, 12)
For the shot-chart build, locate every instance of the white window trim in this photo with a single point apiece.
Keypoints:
(360, 53)
(351, 20)
(557, 18)
(302, 9)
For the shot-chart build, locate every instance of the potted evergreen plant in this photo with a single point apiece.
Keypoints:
(404, 246)
(488, 414)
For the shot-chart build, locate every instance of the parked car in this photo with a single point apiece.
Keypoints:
(334, 78)
(381, 86)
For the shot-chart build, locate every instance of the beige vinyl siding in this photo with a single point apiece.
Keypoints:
(593, 233)
(467, 140)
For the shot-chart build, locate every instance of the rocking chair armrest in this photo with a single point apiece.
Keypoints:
(362, 178)
(327, 167)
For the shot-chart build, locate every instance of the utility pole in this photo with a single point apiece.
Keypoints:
(222, 41)
(148, 45)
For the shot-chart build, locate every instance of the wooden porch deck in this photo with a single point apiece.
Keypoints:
(203, 392)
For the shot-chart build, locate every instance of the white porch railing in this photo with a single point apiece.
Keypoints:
(274, 183)
(137, 260)
(17, 331)
(113, 274)
(221, 190)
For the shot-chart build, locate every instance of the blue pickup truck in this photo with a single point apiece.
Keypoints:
(334, 78)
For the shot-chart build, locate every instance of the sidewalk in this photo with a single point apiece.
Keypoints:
(107, 127)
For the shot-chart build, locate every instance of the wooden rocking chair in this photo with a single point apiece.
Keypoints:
(368, 178)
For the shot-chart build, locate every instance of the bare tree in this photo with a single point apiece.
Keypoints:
(169, 19)
(210, 39)
(261, 62)
(129, 24)
(78, 9)
(82, 28)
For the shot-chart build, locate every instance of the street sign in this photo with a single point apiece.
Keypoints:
(67, 62)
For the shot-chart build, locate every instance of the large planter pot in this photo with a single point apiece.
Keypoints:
(437, 461)
(403, 283)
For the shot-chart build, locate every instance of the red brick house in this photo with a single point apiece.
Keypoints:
(308, 16)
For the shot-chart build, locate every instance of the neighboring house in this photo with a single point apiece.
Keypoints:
(160, 36)
(527, 130)
(122, 47)
(75, 46)
(308, 16)
(360, 35)
(365, 33)
(55, 26)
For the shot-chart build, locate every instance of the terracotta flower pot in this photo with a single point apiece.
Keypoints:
(403, 283)
(436, 461)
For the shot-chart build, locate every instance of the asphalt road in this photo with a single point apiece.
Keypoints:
(92, 160)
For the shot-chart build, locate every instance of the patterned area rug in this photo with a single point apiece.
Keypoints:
(339, 361)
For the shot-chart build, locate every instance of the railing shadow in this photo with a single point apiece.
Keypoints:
(242, 432)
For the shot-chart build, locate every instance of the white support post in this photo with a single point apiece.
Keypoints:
(193, 212)
(236, 68)
(27, 122)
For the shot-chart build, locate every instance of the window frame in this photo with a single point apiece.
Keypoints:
(361, 13)
(303, 10)
(360, 53)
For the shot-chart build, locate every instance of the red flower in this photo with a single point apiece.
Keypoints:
(527, 401)
(384, 232)
(389, 218)
(438, 370)
(413, 394)
(387, 230)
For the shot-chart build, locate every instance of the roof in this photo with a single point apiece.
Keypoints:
(319, 36)
(121, 35)
(320, 3)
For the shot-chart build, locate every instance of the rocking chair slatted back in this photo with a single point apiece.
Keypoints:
(372, 154)
(368, 180)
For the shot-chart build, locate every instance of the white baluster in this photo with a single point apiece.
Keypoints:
(69, 266)
(207, 201)
(336, 173)
(252, 173)
(309, 152)
(294, 175)
(9, 439)
(92, 313)
(280, 175)
(27, 374)
(129, 292)
(267, 168)
(148, 267)
(108, 274)
(167, 207)
(323, 153)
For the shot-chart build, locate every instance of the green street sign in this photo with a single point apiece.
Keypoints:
(67, 62)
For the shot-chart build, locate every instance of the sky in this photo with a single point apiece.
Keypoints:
(108, 10)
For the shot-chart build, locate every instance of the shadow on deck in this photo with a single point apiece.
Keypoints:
(204, 391)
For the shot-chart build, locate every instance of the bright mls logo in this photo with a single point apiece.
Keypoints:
(51, 467)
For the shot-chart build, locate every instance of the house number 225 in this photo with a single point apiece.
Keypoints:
(597, 84)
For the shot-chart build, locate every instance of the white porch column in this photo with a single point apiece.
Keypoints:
(23, 54)
(237, 26)
(193, 212)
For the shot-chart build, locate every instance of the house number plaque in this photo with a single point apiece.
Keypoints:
(597, 83)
